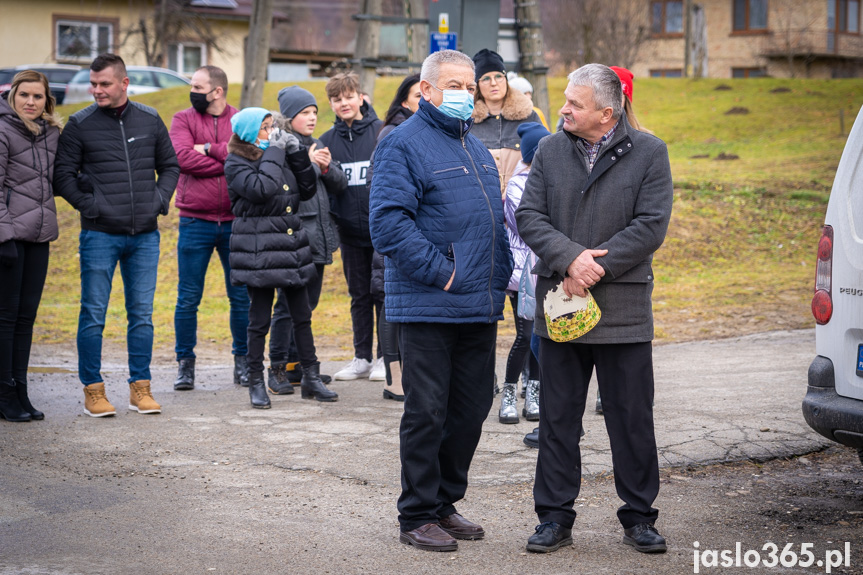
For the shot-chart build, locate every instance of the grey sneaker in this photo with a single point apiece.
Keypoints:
(531, 401)
(508, 404)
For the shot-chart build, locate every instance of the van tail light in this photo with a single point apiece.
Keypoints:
(822, 301)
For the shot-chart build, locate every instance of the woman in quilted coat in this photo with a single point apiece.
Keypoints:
(268, 173)
(29, 130)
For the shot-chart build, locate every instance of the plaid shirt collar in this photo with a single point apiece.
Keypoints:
(593, 149)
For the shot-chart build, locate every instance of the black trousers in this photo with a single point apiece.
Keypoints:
(20, 293)
(520, 350)
(448, 375)
(260, 312)
(365, 307)
(282, 345)
(625, 376)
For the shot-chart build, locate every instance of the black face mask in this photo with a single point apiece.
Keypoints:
(199, 101)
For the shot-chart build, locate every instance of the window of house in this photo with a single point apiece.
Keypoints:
(671, 73)
(667, 18)
(843, 16)
(750, 15)
(186, 57)
(748, 73)
(79, 40)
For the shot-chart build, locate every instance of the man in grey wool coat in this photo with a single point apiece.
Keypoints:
(595, 208)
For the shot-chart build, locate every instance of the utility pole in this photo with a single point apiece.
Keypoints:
(531, 51)
(368, 44)
(687, 38)
(699, 42)
(257, 54)
(418, 34)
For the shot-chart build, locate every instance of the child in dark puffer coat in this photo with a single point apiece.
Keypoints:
(268, 173)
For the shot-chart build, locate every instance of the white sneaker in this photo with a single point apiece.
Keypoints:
(357, 369)
(379, 371)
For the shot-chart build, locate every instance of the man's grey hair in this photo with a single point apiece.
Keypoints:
(607, 89)
(431, 66)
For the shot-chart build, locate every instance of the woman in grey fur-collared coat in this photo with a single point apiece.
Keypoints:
(497, 114)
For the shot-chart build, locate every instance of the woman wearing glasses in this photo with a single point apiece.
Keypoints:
(497, 114)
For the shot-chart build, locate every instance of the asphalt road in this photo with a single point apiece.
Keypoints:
(213, 486)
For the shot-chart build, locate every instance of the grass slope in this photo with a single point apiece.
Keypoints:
(740, 250)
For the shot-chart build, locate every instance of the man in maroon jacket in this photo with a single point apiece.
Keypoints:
(200, 136)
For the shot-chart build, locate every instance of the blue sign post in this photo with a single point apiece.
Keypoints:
(439, 42)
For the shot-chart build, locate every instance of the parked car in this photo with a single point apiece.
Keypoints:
(142, 80)
(833, 405)
(58, 76)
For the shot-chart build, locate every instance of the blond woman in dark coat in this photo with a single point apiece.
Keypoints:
(29, 130)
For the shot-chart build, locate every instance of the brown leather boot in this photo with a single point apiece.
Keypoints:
(96, 403)
(141, 399)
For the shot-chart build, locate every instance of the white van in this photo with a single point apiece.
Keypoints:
(833, 405)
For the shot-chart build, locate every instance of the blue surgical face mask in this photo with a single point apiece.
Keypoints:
(263, 144)
(456, 103)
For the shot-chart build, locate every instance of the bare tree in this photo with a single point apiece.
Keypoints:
(169, 22)
(604, 31)
(792, 35)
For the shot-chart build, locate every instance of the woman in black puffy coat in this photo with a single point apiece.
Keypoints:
(268, 173)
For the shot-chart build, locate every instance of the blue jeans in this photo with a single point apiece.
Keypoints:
(138, 256)
(198, 238)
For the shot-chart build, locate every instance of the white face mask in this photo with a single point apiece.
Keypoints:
(456, 103)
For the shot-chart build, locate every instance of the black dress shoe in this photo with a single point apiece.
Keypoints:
(645, 538)
(461, 528)
(549, 537)
(532, 438)
(429, 537)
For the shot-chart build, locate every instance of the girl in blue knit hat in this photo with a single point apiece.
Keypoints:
(268, 173)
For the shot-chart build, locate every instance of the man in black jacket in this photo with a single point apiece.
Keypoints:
(351, 142)
(107, 161)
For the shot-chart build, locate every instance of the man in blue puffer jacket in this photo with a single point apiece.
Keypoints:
(436, 214)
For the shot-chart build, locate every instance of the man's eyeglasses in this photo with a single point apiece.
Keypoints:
(496, 77)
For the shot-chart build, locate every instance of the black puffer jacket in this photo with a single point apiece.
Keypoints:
(352, 146)
(117, 158)
(269, 248)
(27, 210)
